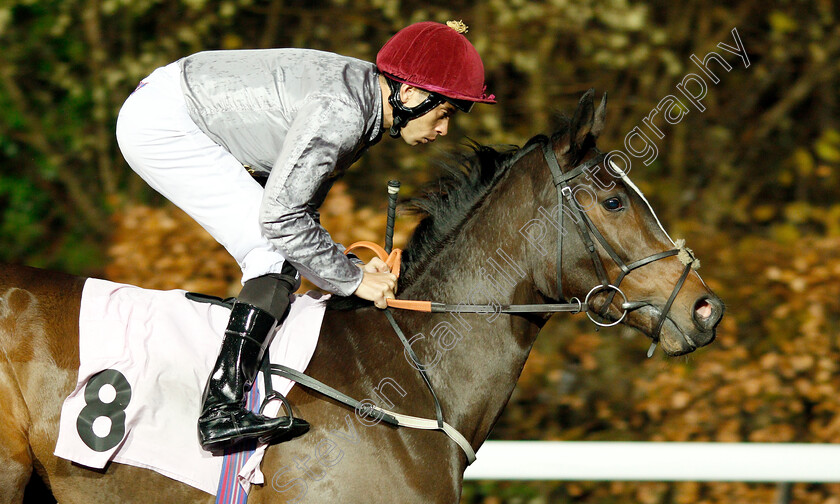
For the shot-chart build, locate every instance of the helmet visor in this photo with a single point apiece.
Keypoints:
(462, 105)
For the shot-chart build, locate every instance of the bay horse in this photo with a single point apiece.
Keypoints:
(479, 243)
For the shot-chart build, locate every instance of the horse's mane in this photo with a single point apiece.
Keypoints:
(446, 204)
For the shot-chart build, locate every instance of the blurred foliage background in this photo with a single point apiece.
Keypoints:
(751, 182)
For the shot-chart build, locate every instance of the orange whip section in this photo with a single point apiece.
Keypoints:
(393, 259)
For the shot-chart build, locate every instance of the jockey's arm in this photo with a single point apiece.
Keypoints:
(302, 174)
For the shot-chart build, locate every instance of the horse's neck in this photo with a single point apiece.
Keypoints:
(479, 357)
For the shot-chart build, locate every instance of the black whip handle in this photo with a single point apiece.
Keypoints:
(393, 192)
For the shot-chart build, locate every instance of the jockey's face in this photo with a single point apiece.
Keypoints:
(427, 127)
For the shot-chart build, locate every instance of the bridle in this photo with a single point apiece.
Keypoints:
(586, 229)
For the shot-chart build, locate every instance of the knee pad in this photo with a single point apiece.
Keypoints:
(270, 292)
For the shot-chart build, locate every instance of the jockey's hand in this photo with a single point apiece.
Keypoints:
(376, 265)
(377, 286)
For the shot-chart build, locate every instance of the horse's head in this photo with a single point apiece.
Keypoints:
(616, 257)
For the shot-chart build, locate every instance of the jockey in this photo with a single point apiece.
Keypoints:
(249, 142)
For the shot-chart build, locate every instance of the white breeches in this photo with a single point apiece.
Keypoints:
(165, 147)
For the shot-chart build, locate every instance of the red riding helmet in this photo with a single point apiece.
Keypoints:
(437, 58)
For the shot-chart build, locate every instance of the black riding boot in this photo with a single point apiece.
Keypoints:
(224, 419)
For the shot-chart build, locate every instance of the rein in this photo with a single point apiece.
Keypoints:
(393, 261)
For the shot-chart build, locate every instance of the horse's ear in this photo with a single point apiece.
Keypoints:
(584, 116)
(600, 115)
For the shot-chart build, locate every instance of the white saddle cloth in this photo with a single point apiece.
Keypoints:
(159, 348)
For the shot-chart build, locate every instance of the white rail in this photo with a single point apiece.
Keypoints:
(649, 461)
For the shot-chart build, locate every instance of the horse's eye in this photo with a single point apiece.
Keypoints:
(613, 204)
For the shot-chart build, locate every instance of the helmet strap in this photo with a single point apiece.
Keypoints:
(403, 114)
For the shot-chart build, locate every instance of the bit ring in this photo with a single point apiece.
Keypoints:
(599, 288)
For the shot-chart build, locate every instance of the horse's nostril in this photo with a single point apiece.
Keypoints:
(703, 310)
(707, 313)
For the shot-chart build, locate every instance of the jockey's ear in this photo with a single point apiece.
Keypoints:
(411, 96)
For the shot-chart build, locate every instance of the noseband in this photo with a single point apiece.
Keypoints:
(587, 229)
